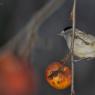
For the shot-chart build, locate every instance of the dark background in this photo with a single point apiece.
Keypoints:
(14, 14)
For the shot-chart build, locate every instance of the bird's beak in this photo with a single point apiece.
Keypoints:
(62, 34)
(65, 31)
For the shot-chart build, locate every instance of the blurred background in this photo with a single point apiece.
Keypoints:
(15, 14)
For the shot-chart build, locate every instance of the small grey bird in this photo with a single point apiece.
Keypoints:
(84, 44)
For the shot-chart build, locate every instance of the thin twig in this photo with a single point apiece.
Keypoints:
(72, 46)
(66, 59)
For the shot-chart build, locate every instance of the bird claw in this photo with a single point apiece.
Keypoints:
(88, 59)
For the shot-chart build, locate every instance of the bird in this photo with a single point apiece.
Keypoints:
(84, 43)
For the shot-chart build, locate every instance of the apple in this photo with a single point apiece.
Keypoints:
(58, 75)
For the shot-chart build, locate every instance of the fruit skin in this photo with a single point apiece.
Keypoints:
(61, 79)
(16, 75)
